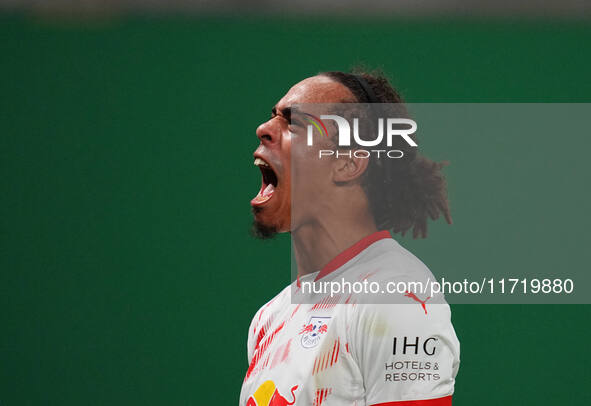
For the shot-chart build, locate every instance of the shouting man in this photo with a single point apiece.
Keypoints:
(338, 347)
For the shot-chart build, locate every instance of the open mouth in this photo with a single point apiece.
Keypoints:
(268, 183)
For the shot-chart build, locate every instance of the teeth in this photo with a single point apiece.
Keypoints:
(260, 162)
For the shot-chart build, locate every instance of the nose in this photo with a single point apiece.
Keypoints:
(269, 132)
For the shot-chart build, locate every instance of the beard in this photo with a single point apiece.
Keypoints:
(260, 230)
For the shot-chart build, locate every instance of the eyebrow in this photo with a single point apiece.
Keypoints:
(284, 112)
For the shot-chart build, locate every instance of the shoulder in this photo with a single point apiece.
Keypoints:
(262, 321)
(389, 274)
(268, 312)
(390, 260)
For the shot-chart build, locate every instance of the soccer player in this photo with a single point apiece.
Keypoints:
(339, 349)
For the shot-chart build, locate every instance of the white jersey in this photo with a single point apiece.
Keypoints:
(335, 352)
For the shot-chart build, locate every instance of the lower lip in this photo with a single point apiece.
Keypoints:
(263, 197)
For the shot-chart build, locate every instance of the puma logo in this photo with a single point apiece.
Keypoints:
(415, 298)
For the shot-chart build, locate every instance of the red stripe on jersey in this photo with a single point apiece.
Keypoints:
(286, 351)
(281, 354)
(352, 252)
(326, 303)
(321, 395)
(327, 359)
(446, 401)
(367, 275)
(265, 308)
(295, 310)
(334, 350)
(260, 337)
(261, 351)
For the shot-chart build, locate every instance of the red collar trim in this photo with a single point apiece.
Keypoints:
(351, 252)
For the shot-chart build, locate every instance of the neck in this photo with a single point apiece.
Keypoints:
(316, 242)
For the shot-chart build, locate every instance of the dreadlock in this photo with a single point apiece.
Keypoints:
(403, 193)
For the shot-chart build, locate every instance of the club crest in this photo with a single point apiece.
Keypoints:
(313, 331)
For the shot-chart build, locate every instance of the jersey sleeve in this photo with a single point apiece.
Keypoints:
(406, 354)
(255, 331)
(250, 342)
(260, 323)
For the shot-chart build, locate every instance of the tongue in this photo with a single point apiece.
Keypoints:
(268, 190)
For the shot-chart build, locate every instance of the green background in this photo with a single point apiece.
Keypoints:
(128, 276)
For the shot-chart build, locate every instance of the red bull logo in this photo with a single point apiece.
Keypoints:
(268, 395)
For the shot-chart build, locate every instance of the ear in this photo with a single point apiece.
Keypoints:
(347, 168)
